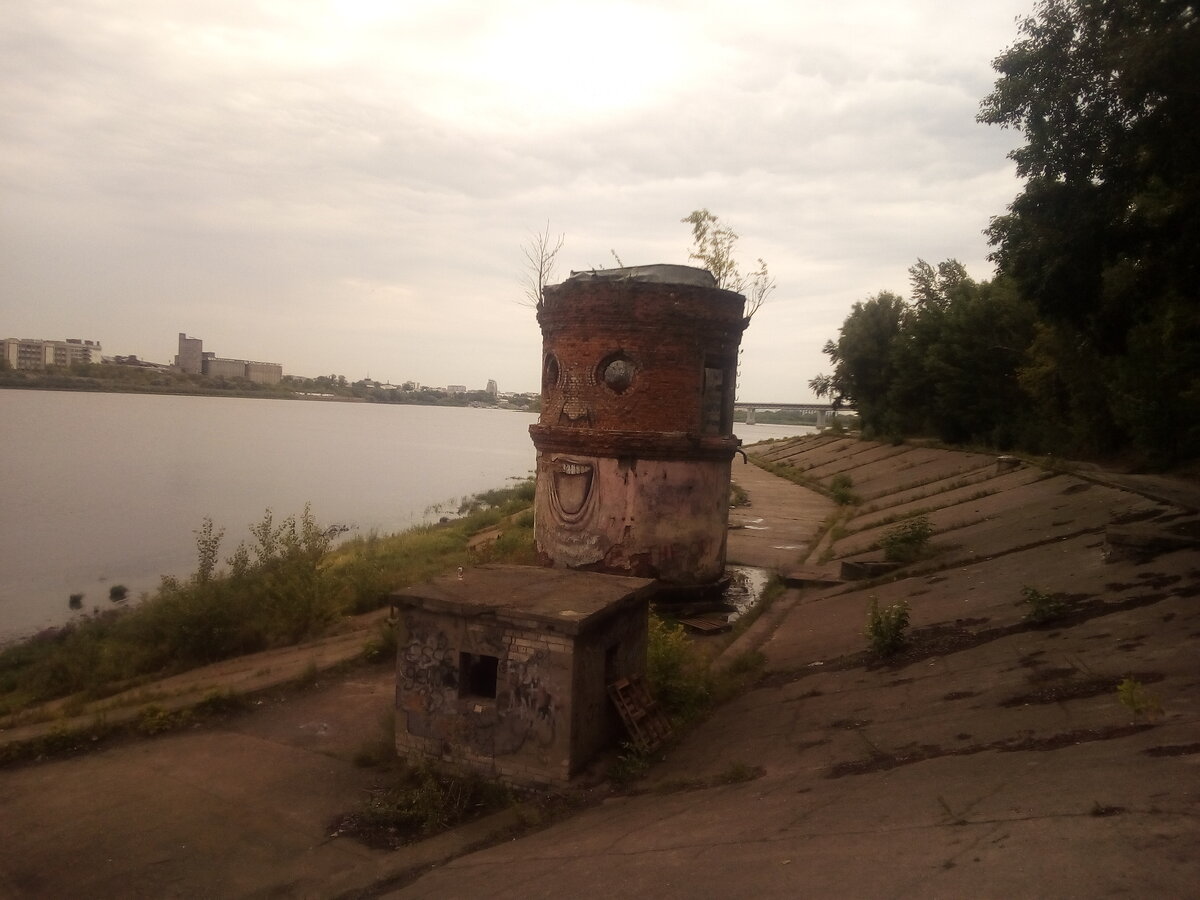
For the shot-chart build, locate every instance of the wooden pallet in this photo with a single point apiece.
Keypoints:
(645, 722)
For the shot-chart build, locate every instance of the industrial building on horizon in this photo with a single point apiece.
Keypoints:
(36, 354)
(192, 360)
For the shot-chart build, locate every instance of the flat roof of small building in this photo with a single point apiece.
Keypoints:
(564, 600)
(660, 273)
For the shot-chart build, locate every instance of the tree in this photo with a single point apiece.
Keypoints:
(1102, 237)
(713, 245)
(863, 359)
(540, 253)
(946, 362)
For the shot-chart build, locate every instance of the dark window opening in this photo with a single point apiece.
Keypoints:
(477, 675)
(717, 400)
(550, 373)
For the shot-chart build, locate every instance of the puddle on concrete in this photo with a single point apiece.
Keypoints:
(746, 586)
(715, 613)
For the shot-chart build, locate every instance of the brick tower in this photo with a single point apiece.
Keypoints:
(635, 438)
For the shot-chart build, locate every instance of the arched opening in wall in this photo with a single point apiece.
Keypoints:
(716, 407)
(550, 374)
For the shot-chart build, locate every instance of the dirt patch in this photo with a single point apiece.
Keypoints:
(1139, 516)
(960, 695)
(801, 746)
(1173, 750)
(882, 762)
(945, 639)
(1076, 690)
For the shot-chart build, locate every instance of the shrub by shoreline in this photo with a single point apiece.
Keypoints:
(288, 584)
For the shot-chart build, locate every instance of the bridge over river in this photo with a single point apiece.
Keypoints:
(823, 411)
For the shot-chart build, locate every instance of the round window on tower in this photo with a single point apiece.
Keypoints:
(617, 372)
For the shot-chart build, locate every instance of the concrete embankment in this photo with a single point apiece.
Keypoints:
(992, 757)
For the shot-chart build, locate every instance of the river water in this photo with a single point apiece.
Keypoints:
(105, 489)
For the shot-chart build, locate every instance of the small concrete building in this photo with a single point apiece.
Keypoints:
(504, 669)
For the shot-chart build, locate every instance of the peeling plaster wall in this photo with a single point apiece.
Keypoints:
(650, 518)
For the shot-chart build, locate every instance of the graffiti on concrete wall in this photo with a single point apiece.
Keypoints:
(531, 711)
(426, 669)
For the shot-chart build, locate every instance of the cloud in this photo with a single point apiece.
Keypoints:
(345, 186)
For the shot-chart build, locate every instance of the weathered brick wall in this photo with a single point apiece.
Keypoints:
(667, 332)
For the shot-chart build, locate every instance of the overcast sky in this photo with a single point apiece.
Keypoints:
(345, 187)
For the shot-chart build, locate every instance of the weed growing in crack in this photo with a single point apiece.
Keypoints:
(424, 800)
(677, 679)
(908, 540)
(840, 490)
(630, 765)
(885, 628)
(1133, 695)
(1043, 607)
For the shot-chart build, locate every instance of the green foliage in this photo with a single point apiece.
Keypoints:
(118, 593)
(630, 765)
(674, 674)
(283, 586)
(713, 248)
(381, 645)
(1043, 607)
(155, 719)
(885, 628)
(863, 357)
(840, 489)
(425, 800)
(906, 541)
(1102, 237)
(1132, 694)
(713, 245)
(916, 366)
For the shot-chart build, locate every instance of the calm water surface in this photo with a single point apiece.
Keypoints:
(104, 489)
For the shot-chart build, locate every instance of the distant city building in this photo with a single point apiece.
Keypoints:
(456, 389)
(492, 389)
(30, 354)
(192, 360)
